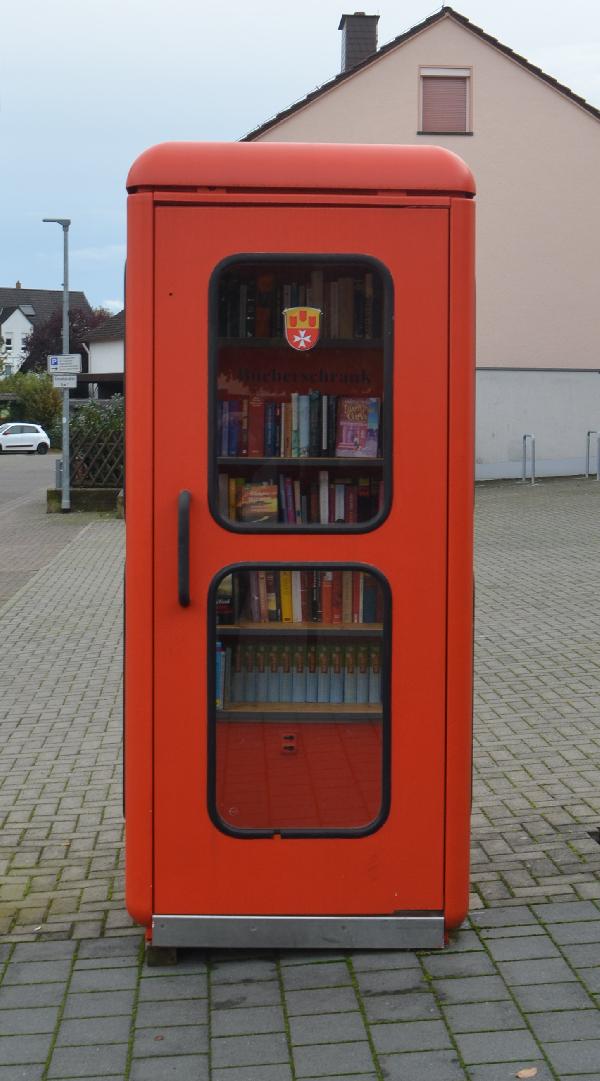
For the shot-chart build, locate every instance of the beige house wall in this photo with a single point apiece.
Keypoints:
(536, 159)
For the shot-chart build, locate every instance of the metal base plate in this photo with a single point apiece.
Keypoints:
(414, 931)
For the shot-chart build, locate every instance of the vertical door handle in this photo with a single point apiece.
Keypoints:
(183, 548)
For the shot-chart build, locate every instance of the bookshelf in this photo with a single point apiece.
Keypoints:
(309, 714)
(299, 434)
(299, 643)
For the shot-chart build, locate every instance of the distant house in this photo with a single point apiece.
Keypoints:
(106, 358)
(21, 311)
(534, 148)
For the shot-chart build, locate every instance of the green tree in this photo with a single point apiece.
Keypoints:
(47, 338)
(40, 402)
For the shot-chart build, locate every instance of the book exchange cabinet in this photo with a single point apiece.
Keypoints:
(299, 488)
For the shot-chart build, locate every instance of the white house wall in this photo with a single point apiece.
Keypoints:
(107, 356)
(17, 327)
(558, 408)
(535, 155)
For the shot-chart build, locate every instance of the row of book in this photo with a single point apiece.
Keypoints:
(251, 306)
(312, 425)
(300, 501)
(299, 596)
(265, 672)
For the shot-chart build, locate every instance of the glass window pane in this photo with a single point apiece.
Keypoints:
(300, 720)
(300, 397)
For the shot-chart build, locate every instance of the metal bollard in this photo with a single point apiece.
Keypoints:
(589, 435)
(528, 435)
(58, 474)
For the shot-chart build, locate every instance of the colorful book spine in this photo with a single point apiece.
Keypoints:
(295, 431)
(303, 425)
(285, 586)
(249, 674)
(311, 673)
(323, 674)
(336, 688)
(350, 675)
(375, 675)
(296, 597)
(362, 674)
(285, 673)
(260, 664)
(256, 427)
(273, 674)
(299, 675)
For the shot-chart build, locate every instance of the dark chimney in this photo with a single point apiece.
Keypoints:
(17, 285)
(359, 38)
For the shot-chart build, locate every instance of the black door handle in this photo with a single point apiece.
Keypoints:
(183, 548)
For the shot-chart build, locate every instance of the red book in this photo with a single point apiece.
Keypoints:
(337, 594)
(243, 445)
(356, 596)
(351, 503)
(327, 597)
(256, 427)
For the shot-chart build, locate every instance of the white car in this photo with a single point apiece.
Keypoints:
(25, 437)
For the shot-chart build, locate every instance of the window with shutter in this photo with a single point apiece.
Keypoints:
(445, 101)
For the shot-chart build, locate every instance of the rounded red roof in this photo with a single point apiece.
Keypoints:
(301, 166)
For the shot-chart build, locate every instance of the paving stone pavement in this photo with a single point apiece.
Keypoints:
(518, 987)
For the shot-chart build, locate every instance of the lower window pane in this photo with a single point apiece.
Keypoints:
(299, 734)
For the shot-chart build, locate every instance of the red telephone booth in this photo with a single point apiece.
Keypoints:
(299, 544)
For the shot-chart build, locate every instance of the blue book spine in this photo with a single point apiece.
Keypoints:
(299, 675)
(237, 677)
(270, 429)
(369, 599)
(273, 675)
(285, 674)
(224, 429)
(249, 675)
(260, 667)
(336, 688)
(350, 675)
(235, 428)
(362, 674)
(323, 674)
(375, 676)
(311, 674)
(303, 425)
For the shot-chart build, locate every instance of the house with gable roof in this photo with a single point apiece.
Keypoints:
(533, 145)
(21, 310)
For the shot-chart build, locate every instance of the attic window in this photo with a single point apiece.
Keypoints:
(27, 309)
(445, 101)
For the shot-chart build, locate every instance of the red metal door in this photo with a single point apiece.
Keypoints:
(398, 867)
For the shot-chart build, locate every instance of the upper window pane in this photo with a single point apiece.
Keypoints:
(300, 393)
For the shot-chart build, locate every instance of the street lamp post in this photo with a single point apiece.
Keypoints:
(65, 503)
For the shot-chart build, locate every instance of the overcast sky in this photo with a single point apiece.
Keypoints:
(86, 85)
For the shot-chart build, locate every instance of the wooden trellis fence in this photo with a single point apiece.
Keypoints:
(97, 461)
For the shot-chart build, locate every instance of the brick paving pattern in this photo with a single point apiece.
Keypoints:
(518, 987)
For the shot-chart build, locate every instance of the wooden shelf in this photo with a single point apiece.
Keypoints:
(280, 343)
(346, 630)
(345, 463)
(303, 712)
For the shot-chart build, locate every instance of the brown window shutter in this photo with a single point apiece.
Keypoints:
(444, 103)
